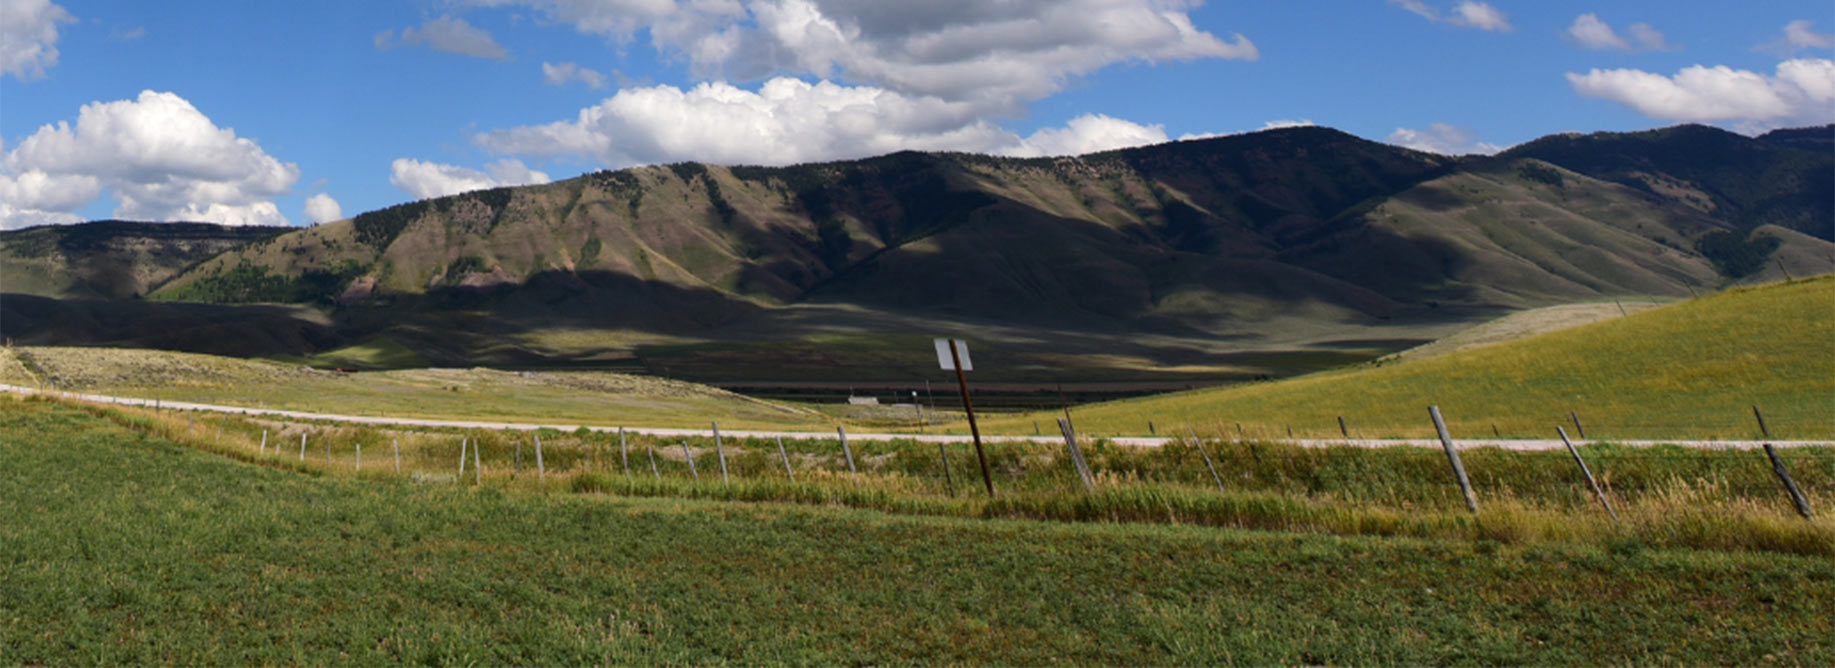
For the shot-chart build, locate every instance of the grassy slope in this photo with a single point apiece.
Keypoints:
(455, 394)
(159, 554)
(1691, 370)
(110, 259)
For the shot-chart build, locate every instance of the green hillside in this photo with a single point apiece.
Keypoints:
(112, 259)
(1785, 177)
(1689, 370)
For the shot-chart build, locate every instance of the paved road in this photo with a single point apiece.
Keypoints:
(1138, 441)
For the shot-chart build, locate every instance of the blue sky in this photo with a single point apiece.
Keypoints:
(296, 112)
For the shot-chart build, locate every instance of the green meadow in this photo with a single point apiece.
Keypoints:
(159, 553)
(1691, 370)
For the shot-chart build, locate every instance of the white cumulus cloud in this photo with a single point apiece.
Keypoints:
(1442, 138)
(1798, 36)
(426, 180)
(1591, 32)
(563, 73)
(28, 37)
(788, 121)
(1089, 133)
(321, 208)
(1801, 91)
(998, 54)
(158, 156)
(1288, 123)
(1466, 14)
(448, 34)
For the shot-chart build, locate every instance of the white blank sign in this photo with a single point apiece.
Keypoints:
(943, 354)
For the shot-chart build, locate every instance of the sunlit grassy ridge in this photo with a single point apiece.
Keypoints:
(1690, 370)
(158, 554)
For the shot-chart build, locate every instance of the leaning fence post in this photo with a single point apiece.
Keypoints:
(264, 441)
(1586, 472)
(1076, 455)
(786, 457)
(541, 471)
(461, 456)
(842, 431)
(624, 452)
(1578, 428)
(477, 465)
(721, 451)
(690, 457)
(1207, 457)
(949, 479)
(1452, 455)
(1777, 466)
(652, 450)
(1343, 430)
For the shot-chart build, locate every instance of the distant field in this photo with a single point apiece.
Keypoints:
(160, 554)
(461, 394)
(1689, 370)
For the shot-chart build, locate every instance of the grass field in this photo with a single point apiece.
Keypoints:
(161, 554)
(587, 397)
(1664, 496)
(1690, 370)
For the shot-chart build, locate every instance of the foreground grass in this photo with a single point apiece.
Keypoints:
(1664, 496)
(157, 553)
(1687, 371)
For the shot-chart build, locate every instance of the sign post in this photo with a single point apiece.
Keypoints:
(953, 354)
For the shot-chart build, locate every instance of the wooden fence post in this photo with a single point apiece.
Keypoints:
(1578, 428)
(624, 452)
(1452, 455)
(461, 456)
(541, 470)
(720, 450)
(1586, 472)
(1076, 455)
(949, 479)
(845, 450)
(1207, 457)
(302, 447)
(652, 450)
(264, 442)
(1344, 430)
(359, 456)
(690, 457)
(398, 455)
(786, 457)
(477, 464)
(1777, 466)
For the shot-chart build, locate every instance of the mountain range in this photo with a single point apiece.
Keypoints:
(1244, 256)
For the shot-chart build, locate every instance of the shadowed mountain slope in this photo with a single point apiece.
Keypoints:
(1190, 254)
